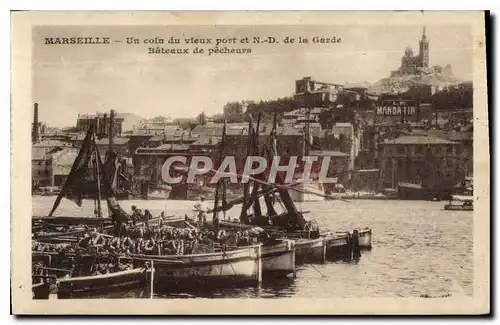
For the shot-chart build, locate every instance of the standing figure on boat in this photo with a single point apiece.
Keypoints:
(136, 215)
(147, 217)
(202, 209)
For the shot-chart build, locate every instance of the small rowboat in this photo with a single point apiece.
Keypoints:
(337, 243)
(95, 285)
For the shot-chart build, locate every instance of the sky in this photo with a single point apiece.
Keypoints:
(75, 79)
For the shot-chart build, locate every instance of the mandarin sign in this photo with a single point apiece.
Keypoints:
(397, 108)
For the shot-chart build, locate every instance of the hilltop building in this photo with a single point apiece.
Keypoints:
(410, 64)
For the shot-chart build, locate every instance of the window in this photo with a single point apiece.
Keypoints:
(401, 150)
(449, 150)
(418, 150)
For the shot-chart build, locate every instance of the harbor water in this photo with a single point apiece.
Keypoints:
(418, 249)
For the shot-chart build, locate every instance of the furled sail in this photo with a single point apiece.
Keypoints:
(78, 177)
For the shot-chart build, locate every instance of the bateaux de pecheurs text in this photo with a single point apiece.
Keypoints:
(77, 40)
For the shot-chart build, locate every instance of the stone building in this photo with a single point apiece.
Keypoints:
(124, 122)
(41, 168)
(426, 159)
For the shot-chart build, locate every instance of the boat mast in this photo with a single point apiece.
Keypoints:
(256, 204)
(246, 186)
(114, 181)
(97, 175)
(217, 188)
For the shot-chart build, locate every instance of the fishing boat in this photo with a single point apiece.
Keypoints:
(278, 255)
(89, 175)
(337, 243)
(40, 288)
(290, 223)
(463, 201)
(239, 266)
(87, 286)
(87, 169)
(365, 238)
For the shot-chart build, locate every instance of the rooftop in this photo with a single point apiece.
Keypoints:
(328, 153)
(65, 157)
(206, 140)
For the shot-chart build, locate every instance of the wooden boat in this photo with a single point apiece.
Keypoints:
(310, 250)
(365, 238)
(337, 243)
(278, 260)
(40, 287)
(86, 286)
(40, 290)
(79, 185)
(463, 200)
(239, 266)
(73, 220)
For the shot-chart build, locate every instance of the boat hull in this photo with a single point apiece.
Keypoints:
(68, 220)
(41, 290)
(454, 207)
(365, 238)
(310, 251)
(89, 285)
(278, 260)
(243, 265)
(337, 244)
(420, 193)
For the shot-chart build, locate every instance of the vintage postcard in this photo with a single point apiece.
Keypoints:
(286, 162)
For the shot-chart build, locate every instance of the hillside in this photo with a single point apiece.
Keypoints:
(400, 83)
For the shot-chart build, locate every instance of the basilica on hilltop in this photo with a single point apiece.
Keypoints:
(411, 64)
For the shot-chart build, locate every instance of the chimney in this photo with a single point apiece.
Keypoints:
(36, 125)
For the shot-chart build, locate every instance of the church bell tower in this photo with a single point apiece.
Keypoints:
(424, 50)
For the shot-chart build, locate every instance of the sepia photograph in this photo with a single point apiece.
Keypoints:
(183, 158)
